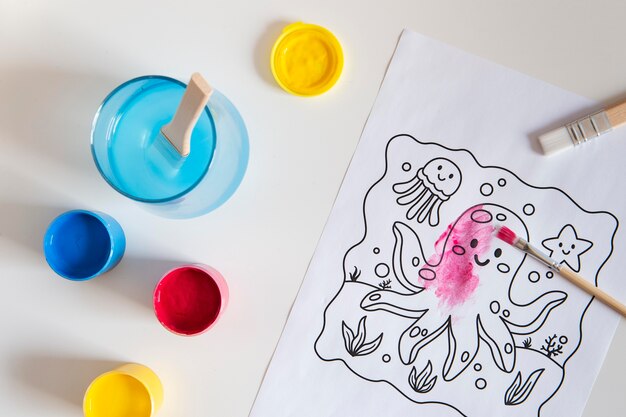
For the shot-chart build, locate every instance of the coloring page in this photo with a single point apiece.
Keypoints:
(433, 304)
(411, 305)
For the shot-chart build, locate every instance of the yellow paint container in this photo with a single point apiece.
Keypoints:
(306, 60)
(131, 390)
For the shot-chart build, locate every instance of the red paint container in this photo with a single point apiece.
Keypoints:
(188, 300)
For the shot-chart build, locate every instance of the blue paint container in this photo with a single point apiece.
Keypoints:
(126, 144)
(80, 244)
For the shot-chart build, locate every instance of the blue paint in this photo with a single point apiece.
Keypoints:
(136, 160)
(130, 150)
(80, 244)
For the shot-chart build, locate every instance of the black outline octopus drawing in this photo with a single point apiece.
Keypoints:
(501, 324)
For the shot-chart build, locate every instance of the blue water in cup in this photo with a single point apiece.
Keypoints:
(128, 148)
(80, 244)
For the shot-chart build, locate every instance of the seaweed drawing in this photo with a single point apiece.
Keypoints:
(356, 344)
(385, 284)
(528, 342)
(552, 348)
(517, 392)
(354, 275)
(453, 302)
(494, 318)
(422, 383)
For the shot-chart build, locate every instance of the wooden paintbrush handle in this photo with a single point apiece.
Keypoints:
(591, 289)
(617, 114)
(179, 130)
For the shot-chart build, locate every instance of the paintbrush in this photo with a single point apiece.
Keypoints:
(508, 236)
(176, 135)
(582, 130)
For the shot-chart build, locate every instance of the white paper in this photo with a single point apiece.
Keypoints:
(409, 307)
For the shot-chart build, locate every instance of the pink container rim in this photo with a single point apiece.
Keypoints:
(211, 273)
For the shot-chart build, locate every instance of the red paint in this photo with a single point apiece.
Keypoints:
(456, 275)
(188, 300)
(507, 235)
(442, 238)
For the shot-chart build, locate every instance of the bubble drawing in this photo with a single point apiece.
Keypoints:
(449, 308)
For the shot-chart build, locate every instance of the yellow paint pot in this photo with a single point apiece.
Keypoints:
(131, 390)
(306, 60)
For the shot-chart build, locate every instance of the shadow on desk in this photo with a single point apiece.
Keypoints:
(48, 111)
(63, 377)
(263, 51)
(25, 224)
(135, 278)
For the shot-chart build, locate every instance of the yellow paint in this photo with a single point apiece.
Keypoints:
(307, 59)
(131, 390)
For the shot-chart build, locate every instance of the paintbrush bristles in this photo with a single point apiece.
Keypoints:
(506, 235)
(583, 130)
(555, 141)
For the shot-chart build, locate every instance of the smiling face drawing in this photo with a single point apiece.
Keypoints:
(462, 291)
(462, 252)
(433, 184)
(567, 247)
(444, 175)
(450, 315)
(497, 253)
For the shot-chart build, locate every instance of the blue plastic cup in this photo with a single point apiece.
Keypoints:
(126, 144)
(80, 244)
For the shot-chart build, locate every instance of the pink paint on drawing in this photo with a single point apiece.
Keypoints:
(462, 246)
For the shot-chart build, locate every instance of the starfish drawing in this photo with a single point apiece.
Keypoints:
(461, 292)
(567, 247)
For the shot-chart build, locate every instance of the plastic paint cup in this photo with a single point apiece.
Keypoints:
(125, 139)
(306, 60)
(188, 300)
(131, 390)
(81, 244)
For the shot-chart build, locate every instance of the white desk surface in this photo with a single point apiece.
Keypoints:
(57, 62)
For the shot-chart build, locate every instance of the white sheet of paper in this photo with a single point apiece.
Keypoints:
(400, 314)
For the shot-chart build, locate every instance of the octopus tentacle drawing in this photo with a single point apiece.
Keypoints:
(469, 322)
(433, 184)
(462, 291)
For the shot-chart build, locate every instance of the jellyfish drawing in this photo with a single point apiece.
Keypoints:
(433, 184)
